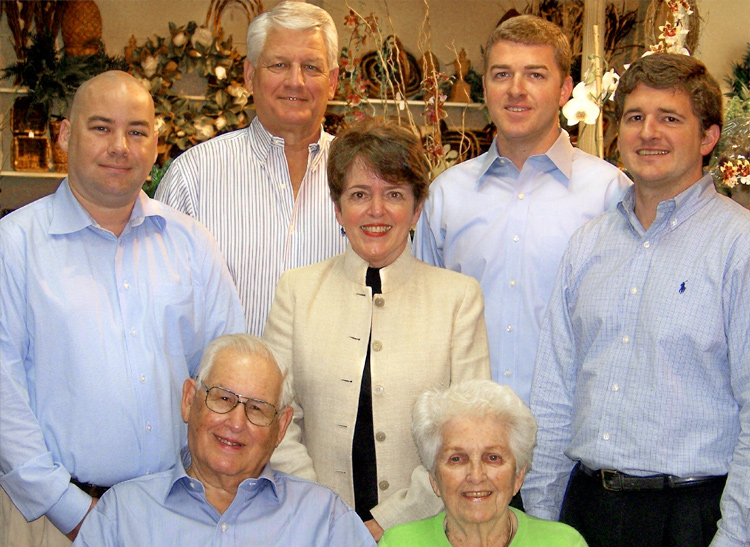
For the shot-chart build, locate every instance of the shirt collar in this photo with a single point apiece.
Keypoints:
(392, 276)
(262, 142)
(69, 216)
(559, 156)
(671, 212)
(265, 481)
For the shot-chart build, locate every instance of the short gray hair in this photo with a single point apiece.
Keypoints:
(293, 15)
(251, 346)
(475, 399)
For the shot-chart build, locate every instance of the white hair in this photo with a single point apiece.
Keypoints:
(251, 346)
(473, 399)
(293, 15)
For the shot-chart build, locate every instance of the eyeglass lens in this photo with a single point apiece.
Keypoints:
(222, 401)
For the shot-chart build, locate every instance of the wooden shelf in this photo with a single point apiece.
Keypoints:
(33, 174)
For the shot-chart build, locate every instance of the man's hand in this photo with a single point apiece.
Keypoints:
(74, 532)
(375, 529)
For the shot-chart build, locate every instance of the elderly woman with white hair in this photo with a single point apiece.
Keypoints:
(476, 439)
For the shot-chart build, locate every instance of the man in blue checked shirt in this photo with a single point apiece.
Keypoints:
(107, 300)
(642, 381)
(224, 491)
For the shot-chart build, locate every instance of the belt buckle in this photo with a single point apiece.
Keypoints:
(611, 480)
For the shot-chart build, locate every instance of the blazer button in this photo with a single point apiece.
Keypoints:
(380, 436)
(384, 485)
(377, 345)
(379, 301)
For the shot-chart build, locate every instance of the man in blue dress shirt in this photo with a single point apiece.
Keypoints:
(642, 384)
(224, 491)
(505, 217)
(107, 300)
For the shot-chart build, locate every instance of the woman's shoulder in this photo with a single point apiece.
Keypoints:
(427, 533)
(445, 276)
(535, 531)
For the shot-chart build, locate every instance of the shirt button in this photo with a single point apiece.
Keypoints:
(126, 285)
(507, 373)
(380, 436)
(673, 223)
(282, 186)
(625, 339)
(133, 331)
(224, 527)
(634, 290)
(615, 387)
(377, 345)
(379, 301)
(378, 390)
(516, 238)
(647, 244)
(291, 229)
(509, 328)
(148, 427)
(512, 282)
(143, 378)
(192, 485)
(384, 485)
(502, 162)
(605, 436)
(520, 196)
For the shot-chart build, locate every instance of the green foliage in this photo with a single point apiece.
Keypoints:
(739, 79)
(157, 173)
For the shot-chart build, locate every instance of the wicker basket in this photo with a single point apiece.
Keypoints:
(30, 153)
(23, 121)
(59, 158)
(82, 27)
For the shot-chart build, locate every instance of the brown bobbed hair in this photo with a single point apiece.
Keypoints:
(391, 152)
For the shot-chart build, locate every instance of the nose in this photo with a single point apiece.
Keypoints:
(649, 128)
(118, 145)
(517, 87)
(294, 75)
(476, 471)
(236, 418)
(376, 205)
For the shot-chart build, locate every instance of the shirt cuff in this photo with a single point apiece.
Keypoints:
(70, 509)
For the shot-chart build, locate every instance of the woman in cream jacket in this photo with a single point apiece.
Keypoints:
(374, 311)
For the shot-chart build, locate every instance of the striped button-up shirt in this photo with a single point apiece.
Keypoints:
(644, 355)
(238, 186)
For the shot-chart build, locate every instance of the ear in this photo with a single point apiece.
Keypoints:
(248, 73)
(435, 485)
(565, 90)
(285, 418)
(484, 87)
(337, 210)
(63, 139)
(709, 139)
(415, 216)
(189, 390)
(333, 77)
(519, 479)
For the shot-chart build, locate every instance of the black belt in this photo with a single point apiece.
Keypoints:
(618, 482)
(91, 489)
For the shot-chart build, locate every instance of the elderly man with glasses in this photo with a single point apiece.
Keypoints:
(224, 492)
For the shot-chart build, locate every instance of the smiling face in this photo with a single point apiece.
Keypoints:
(376, 215)
(475, 472)
(524, 89)
(110, 140)
(292, 83)
(661, 140)
(226, 448)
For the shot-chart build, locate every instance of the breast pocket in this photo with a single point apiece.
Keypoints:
(179, 310)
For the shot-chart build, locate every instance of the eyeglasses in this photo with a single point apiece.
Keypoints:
(223, 401)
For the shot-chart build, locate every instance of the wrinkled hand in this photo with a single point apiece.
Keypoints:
(73, 534)
(375, 529)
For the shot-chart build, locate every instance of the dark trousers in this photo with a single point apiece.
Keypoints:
(673, 517)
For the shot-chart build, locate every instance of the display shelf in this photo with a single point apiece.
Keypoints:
(33, 174)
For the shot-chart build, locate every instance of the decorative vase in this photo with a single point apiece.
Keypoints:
(81, 27)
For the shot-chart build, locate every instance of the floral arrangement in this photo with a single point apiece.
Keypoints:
(353, 85)
(160, 61)
(673, 35)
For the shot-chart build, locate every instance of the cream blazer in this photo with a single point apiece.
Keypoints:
(427, 330)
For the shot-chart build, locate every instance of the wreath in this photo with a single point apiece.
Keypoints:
(180, 121)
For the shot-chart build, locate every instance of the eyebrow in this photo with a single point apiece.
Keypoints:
(105, 119)
(660, 110)
(525, 67)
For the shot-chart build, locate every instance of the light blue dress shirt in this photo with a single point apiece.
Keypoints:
(274, 510)
(97, 335)
(644, 356)
(238, 186)
(508, 229)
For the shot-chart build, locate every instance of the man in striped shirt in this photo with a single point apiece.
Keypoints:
(262, 190)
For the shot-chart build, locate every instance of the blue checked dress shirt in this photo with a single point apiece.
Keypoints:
(237, 185)
(508, 229)
(644, 356)
(274, 510)
(97, 335)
